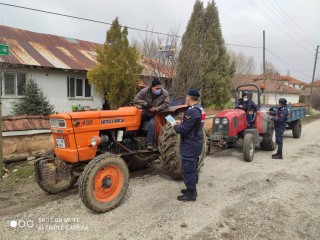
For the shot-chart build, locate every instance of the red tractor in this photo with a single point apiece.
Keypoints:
(230, 125)
(100, 147)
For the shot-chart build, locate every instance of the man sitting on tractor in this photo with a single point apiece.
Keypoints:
(249, 107)
(154, 99)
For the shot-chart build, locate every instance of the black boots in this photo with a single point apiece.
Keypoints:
(188, 195)
(277, 156)
(184, 192)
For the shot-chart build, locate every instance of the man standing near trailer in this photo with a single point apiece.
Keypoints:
(280, 119)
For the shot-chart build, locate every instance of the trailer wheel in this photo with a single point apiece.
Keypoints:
(248, 148)
(296, 128)
(104, 183)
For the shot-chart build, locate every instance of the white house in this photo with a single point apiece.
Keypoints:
(273, 89)
(59, 65)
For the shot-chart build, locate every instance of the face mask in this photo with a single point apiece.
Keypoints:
(157, 92)
(245, 99)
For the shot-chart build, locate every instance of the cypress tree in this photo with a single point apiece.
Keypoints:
(117, 74)
(216, 87)
(203, 62)
(190, 59)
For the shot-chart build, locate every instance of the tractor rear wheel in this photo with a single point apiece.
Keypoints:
(104, 183)
(248, 148)
(47, 172)
(169, 148)
(268, 142)
(296, 128)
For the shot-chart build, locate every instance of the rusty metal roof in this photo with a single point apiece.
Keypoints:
(48, 51)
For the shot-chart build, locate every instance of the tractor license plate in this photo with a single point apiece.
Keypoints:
(60, 143)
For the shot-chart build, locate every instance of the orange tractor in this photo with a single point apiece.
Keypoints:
(100, 147)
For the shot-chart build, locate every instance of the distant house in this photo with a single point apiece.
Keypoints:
(59, 65)
(316, 87)
(292, 82)
(273, 89)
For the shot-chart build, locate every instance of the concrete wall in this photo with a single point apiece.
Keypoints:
(20, 147)
(54, 86)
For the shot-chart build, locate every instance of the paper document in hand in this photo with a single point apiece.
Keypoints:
(170, 119)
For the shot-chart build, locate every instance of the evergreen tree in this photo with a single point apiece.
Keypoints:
(34, 102)
(203, 61)
(216, 87)
(117, 74)
(189, 74)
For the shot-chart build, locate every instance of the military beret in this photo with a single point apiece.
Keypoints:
(194, 93)
(283, 101)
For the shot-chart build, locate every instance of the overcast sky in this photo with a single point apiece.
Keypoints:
(241, 22)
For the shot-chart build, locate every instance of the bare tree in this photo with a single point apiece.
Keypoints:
(243, 64)
(271, 70)
(160, 54)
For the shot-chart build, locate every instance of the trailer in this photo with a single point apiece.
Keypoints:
(296, 114)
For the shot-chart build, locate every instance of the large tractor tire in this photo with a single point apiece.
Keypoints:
(169, 148)
(296, 128)
(47, 172)
(248, 148)
(104, 183)
(268, 142)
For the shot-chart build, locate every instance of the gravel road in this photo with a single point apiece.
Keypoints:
(264, 199)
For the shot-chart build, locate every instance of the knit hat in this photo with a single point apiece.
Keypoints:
(155, 82)
(244, 94)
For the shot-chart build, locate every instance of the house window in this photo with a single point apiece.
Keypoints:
(14, 84)
(79, 87)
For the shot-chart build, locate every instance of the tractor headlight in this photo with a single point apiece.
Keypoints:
(225, 121)
(217, 121)
(59, 123)
(95, 141)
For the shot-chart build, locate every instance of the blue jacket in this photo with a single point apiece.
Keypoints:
(280, 118)
(191, 132)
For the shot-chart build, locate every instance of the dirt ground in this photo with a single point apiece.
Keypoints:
(264, 199)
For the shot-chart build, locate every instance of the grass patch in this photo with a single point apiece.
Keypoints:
(17, 173)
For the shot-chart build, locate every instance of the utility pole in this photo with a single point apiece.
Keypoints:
(264, 67)
(313, 74)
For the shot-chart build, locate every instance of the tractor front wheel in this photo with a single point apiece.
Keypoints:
(248, 148)
(51, 178)
(104, 183)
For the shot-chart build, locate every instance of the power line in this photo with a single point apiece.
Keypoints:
(108, 23)
(139, 29)
(239, 45)
(279, 58)
(287, 23)
(288, 35)
(85, 19)
(290, 18)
